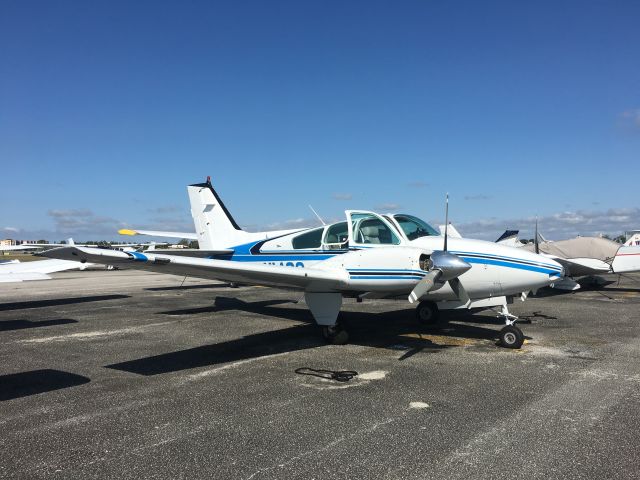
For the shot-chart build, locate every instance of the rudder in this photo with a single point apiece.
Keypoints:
(215, 226)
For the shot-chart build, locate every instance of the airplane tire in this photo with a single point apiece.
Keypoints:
(511, 337)
(335, 335)
(427, 313)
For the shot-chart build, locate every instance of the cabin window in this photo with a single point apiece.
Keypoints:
(370, 229)
(414, 228)
(312, 239)
(337, 236)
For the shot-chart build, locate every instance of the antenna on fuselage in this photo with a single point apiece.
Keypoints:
(316, 214)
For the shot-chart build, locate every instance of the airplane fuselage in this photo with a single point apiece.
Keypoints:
(496, 270)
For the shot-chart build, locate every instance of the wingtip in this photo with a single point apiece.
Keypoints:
(126, 231)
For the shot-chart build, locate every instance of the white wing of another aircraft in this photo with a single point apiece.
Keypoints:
(15, 271)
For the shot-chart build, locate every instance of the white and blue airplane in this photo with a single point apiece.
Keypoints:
(367, 256)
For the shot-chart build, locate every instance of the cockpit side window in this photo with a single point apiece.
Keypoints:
(312, 239)
(414, 228)
(336, 237)
(369, 229)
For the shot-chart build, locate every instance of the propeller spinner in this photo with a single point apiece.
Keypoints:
(442, 267)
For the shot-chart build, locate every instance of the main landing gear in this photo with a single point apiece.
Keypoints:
(427, 313)
(335, 334)
(510, 336)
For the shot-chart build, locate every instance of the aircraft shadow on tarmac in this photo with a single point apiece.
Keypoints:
(24, 384)
(393, 330)
(6, 325)
(189, 287)
(58, 301)
(586, 285)
(263, 307)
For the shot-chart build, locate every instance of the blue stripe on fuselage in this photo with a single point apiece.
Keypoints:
(521, 261)
(272, 258)
(510, 264)
(385, 277)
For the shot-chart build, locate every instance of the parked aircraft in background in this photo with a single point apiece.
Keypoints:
(367, 255)
(634, 239)
(581, 256)
(16, 271)
(40, 246)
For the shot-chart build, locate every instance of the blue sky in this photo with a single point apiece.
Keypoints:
(109, 109)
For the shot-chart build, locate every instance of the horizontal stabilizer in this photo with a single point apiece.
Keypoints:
(158, 233)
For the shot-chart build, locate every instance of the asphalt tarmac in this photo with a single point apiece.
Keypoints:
(123, 374)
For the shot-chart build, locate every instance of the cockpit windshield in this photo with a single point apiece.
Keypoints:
(414, 228)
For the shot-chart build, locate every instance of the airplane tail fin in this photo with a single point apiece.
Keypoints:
(451, 231)
(215, 227)
(509, 237)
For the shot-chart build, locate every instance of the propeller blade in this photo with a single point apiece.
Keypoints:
(461, 293)
(424, 286)
(443, 267)
(536, 243)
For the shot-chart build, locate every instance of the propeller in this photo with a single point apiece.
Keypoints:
(443, 267)
(536, 242)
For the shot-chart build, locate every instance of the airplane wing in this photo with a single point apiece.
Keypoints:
(155, 233)
(313, 279)
(20, 247)
(577, 267)
(190, 252)
(37, 270)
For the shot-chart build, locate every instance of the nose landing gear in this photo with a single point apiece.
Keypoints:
(510, 336)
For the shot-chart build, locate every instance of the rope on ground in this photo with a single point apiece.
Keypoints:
(337, 375)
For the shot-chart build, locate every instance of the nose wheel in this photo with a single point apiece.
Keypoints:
(510, 336)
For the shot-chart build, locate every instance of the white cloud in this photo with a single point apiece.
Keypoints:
(558, 226)
(292, 224)
(388, 207)
(11, 229)
(342, 196)
(165, 209)
(83, 222)
(480, 196)
(631, 119)
(82, 212)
